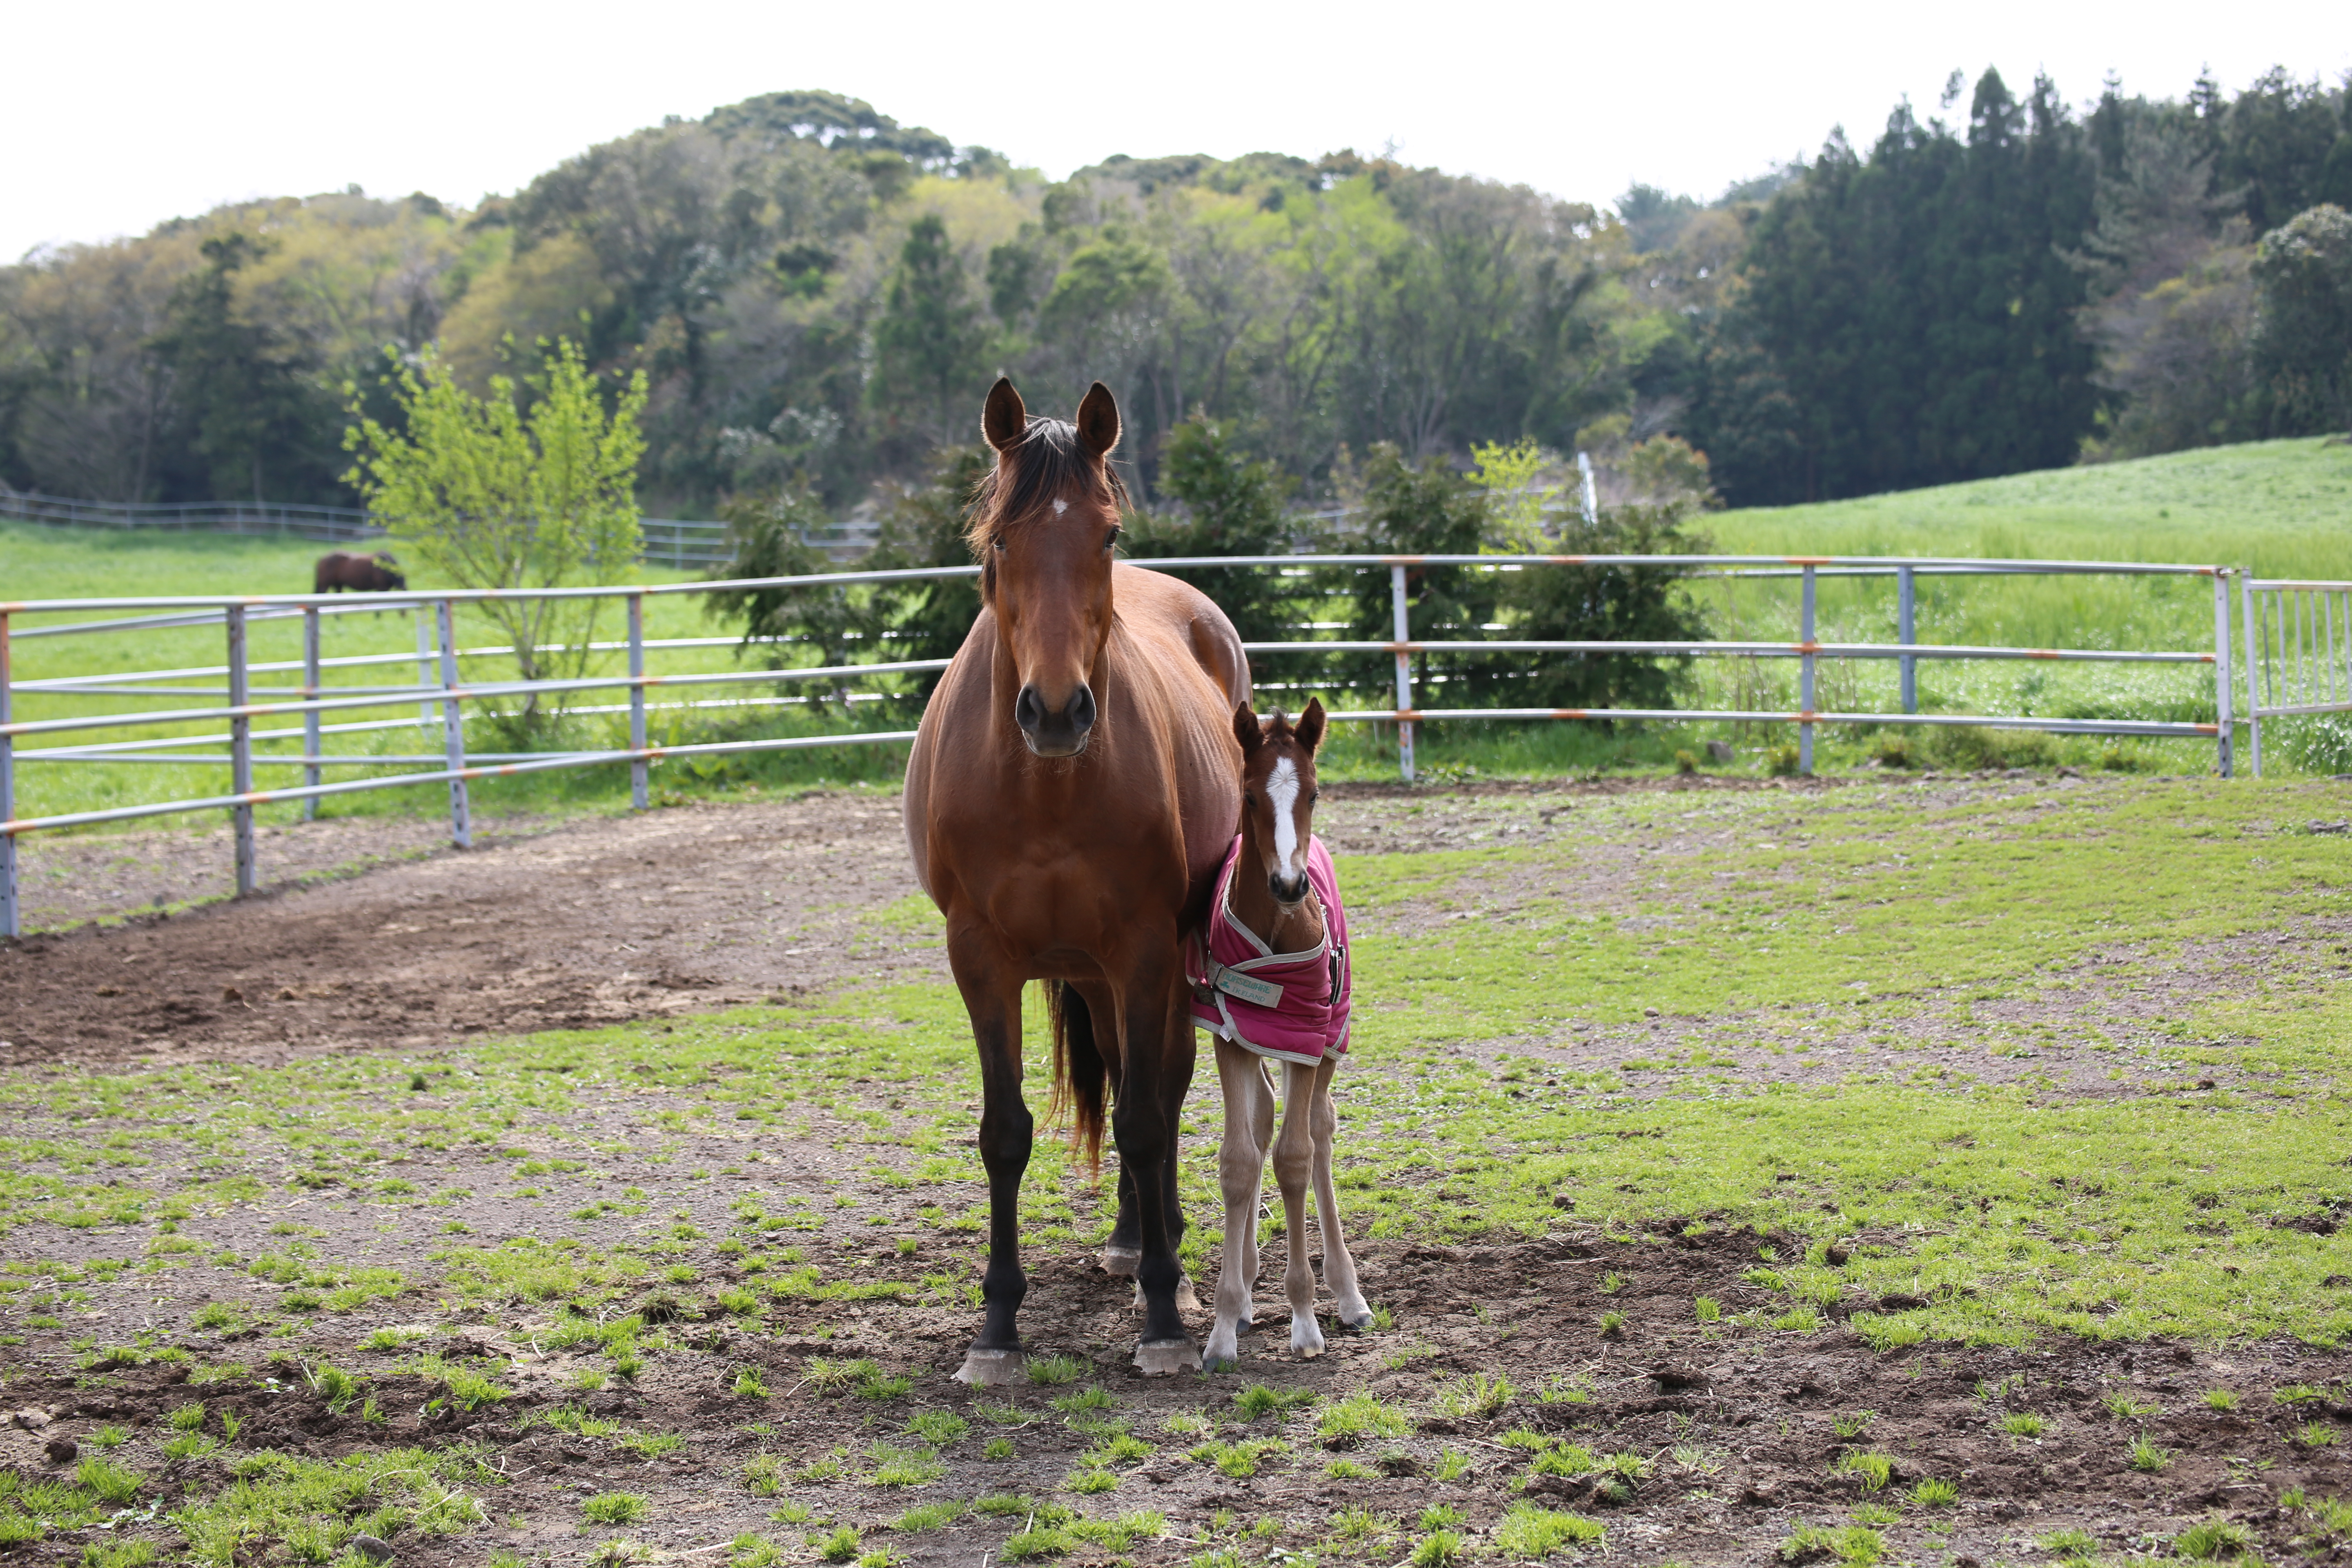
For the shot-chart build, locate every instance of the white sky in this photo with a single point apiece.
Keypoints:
(117, 117)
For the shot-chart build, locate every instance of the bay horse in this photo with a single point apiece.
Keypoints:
(1070, 794)
(339, 569)
(1270, 906)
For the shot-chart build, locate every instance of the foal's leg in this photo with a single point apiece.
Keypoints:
(1293, 1158)
(993, 997)
(1338, 1265)
(1240, 1168)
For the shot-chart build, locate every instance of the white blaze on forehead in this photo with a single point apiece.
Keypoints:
(1282, 793)
(1060, 507)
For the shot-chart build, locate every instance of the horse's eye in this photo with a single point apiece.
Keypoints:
(1113, 538)
(1316, 796)
(999, 547)
(1249, 800)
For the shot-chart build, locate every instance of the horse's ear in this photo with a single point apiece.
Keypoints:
(1246, 729)
(1004, 420)
(1309, 733)
(1098, 420)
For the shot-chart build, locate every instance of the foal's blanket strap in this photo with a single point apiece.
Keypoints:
(1233, 982)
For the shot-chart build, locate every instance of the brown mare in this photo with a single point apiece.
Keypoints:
(1070, 796)
(1271, 896)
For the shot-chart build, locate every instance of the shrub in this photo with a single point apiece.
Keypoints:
(615, 1507)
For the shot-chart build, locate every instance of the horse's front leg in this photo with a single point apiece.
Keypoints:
(1240, 1170)
(991, 994)
(1158, 1046)
(1348, 1303)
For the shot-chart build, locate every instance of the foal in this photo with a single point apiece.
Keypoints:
(1271, 981)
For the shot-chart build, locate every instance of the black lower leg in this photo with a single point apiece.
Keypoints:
(1005, 1131)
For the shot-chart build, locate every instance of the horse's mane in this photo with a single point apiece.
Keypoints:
(1049, 460)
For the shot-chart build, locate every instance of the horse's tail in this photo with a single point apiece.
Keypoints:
(1080, 1075)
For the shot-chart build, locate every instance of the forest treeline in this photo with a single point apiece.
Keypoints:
(818, 296)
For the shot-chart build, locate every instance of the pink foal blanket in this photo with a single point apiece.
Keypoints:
(1292, 1006)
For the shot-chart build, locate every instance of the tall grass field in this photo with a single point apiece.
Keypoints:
(2279, 507)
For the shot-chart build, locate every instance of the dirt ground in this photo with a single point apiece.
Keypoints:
(1576, 1373)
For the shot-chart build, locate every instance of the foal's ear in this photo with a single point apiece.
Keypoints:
(1098, 420)
(1309, 733)
(1245, 728)
(1004, 420)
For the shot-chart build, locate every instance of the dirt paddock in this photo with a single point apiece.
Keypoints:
(1527, 1379)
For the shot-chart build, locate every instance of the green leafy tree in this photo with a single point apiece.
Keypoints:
(923, 525)
(247, 404)
(1232, 505)
(930, 346)
(1614, 603)
(485, 494)
(2303, 332)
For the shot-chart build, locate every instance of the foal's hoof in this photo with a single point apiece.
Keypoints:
(984, 1369)
(1121, 1261)
(1163, 1358)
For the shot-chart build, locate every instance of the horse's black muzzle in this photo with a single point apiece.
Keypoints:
(1055, 733)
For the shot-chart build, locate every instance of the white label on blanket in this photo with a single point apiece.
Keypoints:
(1263, 993)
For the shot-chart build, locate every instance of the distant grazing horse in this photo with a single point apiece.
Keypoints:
(377, 574)
(1274, 984)
(1070, 795)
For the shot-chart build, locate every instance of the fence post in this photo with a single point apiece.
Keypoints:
(453, 723)
(11, 921)
(1403, 672)
(2253, 672)
(1805, 682)
(637, 765)
(423, 664)
(1906, 624)
(2222, 670)
(240, 749)
(311, 693)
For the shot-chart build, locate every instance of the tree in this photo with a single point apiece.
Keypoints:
(486, 495)
(931, 345)
(242, 391)
(2302, 326)
(1232, 506)
(1423, 509)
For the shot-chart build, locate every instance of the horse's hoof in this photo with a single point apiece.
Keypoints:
(1121, 1261)
(1352, 1325)
(984, 1369)
(1305, 1340)
(1165, 1358)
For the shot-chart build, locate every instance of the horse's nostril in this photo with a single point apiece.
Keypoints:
(1082, 710)
(1027, 712)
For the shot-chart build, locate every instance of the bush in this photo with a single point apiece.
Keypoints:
(1964, 749)
(1612, 604)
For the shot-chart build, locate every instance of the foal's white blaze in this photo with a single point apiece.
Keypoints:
(1282, 793)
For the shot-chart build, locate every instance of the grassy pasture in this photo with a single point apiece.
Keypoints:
(2279, 506)
(1984, 1070)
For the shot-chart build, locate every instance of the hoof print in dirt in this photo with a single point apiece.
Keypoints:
(989, 1369)
(1165, 1358)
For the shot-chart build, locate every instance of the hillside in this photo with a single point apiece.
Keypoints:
(2282, 508)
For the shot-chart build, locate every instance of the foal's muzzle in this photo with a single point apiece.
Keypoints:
(1060, 733)
(1287, 889)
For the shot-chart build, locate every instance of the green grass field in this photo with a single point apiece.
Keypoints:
(2278, 507)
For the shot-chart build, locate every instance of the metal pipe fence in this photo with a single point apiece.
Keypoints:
(440, 684)
(2298, 652)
